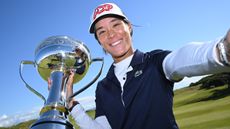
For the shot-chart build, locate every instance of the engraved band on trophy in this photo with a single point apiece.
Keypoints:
(54, 58)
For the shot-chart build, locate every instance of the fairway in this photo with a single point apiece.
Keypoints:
(202, 109)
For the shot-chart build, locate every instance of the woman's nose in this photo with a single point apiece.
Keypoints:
(111, 33)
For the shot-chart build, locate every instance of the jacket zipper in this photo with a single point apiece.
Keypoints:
(122, 100)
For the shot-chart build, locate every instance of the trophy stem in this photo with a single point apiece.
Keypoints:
(57, 90)
(54, 113)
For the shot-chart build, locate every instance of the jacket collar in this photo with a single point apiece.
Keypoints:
(137, 59)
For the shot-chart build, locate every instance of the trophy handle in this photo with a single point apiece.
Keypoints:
(89, 84)
(27, 85)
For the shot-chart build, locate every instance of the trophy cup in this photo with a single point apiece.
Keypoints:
(54, 58)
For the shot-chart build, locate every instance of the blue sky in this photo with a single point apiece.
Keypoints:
(162, 24)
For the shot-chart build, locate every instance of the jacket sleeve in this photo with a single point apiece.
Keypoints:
(84, 121)
(193, 59)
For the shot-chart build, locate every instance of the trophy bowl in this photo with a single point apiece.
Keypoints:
(62, 53)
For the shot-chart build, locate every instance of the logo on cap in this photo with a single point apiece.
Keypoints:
(101, 9)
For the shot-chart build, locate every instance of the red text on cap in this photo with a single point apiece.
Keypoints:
(101, 9)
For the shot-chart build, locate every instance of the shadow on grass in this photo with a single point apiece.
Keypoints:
(215, 95)
(218, 94)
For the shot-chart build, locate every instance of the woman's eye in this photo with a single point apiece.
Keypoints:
(101, 32)
(117, 24)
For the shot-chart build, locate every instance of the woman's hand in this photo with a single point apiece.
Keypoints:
(71, 102)
(227, 44)
(223, 49)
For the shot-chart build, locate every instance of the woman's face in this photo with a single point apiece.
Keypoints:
(114, 36)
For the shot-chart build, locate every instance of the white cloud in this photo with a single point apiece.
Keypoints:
(6, 121)
(186, 81)
(3, 117)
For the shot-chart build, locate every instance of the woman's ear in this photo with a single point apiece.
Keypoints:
(130, 27)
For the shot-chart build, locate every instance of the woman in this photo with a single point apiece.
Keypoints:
(137, 92)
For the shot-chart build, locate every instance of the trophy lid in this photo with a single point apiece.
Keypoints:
(62, 53)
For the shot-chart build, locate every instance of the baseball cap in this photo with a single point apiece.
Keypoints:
(106, 9)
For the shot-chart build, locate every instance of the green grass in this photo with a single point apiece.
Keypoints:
(194, 108)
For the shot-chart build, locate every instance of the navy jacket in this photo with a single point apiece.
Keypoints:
(147, 96)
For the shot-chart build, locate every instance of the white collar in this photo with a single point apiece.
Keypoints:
(122, 67)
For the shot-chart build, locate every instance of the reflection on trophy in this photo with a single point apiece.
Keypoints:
(54, 58)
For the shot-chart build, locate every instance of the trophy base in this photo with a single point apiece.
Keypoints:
(49, 124)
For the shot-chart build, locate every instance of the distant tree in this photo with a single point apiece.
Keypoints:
(214, 80)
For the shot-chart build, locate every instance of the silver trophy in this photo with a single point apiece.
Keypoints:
(54, 58)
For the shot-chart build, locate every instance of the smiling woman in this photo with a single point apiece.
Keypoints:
(164, 24)
(142, 80)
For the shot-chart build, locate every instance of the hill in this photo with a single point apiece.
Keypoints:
(197, 108)
(203, 105)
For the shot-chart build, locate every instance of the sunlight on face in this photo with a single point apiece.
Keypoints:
(114, 36)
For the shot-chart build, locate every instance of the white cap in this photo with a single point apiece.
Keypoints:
(103, 10)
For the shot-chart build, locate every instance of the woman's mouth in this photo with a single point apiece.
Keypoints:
(116, 43)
